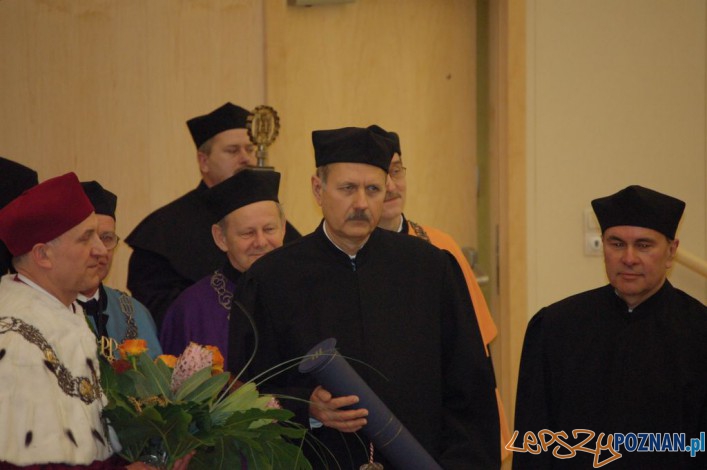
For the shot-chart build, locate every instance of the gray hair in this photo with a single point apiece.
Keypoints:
(205, 147)
(323, 173)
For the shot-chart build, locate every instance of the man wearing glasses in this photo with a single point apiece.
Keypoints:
(112, 313)
(394, 220)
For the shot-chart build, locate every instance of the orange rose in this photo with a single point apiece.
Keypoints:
(217, 365)
(132, 347)
(168, 359)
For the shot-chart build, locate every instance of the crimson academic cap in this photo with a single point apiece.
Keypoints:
(43, 212)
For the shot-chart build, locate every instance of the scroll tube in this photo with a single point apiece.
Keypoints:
(386, 432)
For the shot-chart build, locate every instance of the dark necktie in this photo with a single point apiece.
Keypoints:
(92, 308)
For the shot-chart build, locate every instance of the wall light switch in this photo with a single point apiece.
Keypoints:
(592, 234)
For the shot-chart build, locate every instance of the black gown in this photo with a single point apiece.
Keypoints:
(172, 249)
(402, 309)
(589, 363)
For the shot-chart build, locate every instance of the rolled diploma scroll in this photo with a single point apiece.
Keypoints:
(387, 433)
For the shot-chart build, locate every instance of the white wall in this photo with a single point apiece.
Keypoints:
(616, 96)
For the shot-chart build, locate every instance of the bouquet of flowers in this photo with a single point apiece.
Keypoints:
(161, 410)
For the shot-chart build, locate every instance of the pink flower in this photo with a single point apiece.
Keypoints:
(193, 359)
(274, 403)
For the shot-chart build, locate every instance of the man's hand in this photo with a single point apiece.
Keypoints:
(325, 409)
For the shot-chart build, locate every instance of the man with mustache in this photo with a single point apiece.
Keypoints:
(393, 219)
(112, 313)
(397, 306)
(629, 357)
(248, 222)
(172, 247)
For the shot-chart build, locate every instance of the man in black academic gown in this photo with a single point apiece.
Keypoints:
(172, 247)
(396, 305)
(14, 179)
(629, 357)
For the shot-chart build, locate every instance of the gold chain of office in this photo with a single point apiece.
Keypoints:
(87, 389)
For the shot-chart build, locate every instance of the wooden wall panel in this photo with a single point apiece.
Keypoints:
(104, 87)
(408, 66)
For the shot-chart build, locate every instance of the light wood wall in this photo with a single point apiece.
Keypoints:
(587, 98)
(408, 66)
(616, 96)
(103, 88)
(507, 175)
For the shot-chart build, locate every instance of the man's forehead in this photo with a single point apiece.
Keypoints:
(254, 210)
(344, 170)
(235, 135)
(633, 232)
(105, 221)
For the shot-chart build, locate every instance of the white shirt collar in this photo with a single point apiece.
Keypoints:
(83, 298)
(340, 249)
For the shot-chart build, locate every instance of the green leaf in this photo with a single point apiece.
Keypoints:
(178, 440)
(158, 374)
(243, 398)
(148, 379)
(134, 432)
(114, 383)
(226, 431)
(224, 454)
(209, 389)
(192, 383)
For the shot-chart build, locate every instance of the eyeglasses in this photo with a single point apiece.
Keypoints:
(397, 172)
(110, 240)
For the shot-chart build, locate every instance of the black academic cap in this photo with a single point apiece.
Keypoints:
(228, 116)
(353, 145)
(391, 136)
(640, 207)
(14, 180)
(103, 200)
(396, 143)
(241, 189)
